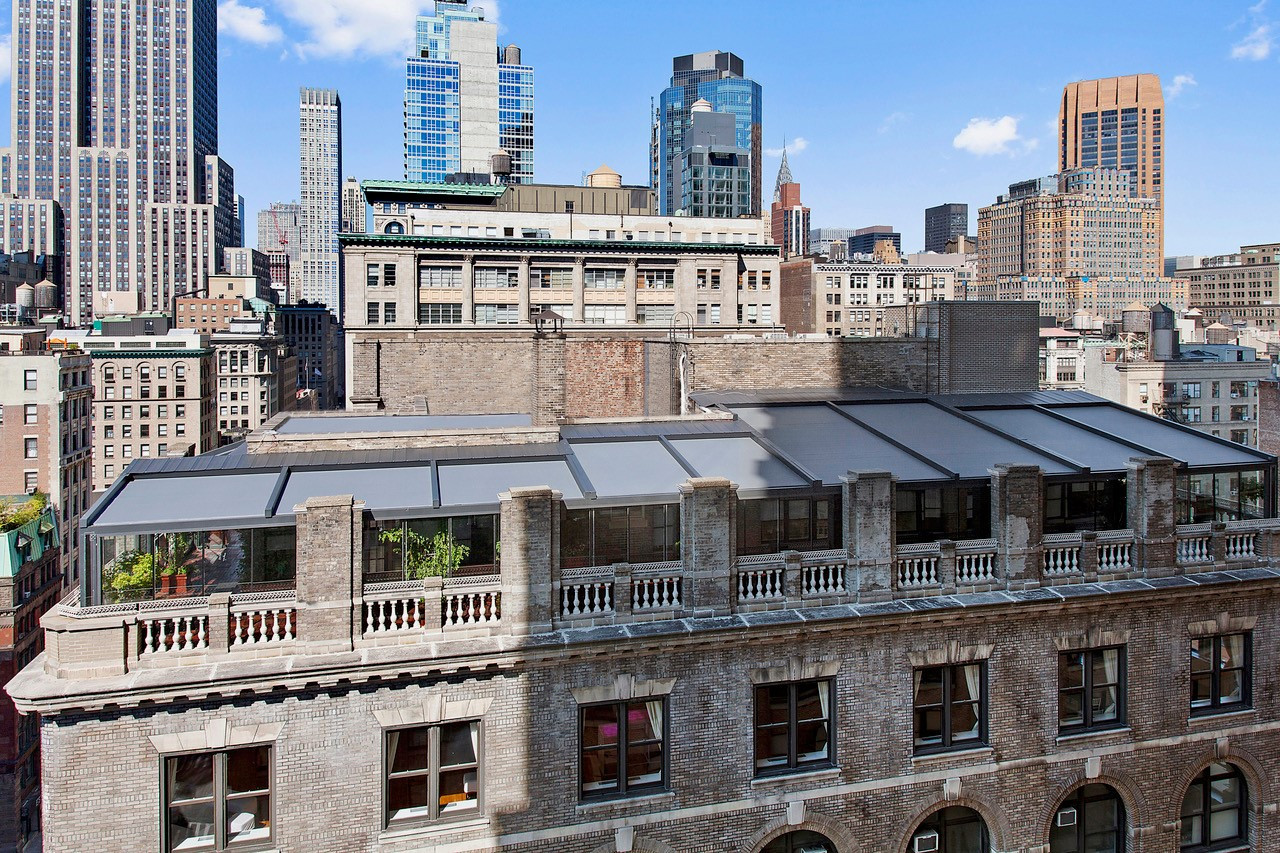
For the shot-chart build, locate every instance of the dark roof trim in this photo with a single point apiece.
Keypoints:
(529, 245)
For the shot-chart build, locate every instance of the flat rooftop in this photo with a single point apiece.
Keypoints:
(768, 443)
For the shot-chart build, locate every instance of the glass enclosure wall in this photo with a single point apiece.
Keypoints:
(429, 547)
(624, 534)
(1222, 496)
(927, 514)
(176, 565)
(773, 525)
(1085, 505)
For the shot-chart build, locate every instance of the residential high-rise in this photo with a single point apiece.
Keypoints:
(115, 117)
(943, 222)
(353, 206)
(715, 172)
(716, 77)
(1117, 123)
(467, 100)
(320, 137)
(280, 230)
(790, 218)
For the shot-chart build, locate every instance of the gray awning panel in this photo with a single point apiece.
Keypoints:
(623, 468)
(397, 487)
(191, 503)
(480, 483)
(1167, 440)
(829, 445)
(739, 458)
(1096, 452)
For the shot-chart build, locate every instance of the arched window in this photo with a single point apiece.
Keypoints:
(1090, 820)
(801, 841)
(1215, 809)
(394, 228)
(955, 829)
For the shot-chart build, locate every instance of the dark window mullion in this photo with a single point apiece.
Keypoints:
(433, 773)
(624, 743)
(948, 674)
(793, 747)
(220, 801)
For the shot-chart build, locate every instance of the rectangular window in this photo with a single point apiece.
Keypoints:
(371, 275)
(603, 279)
(433, 772)
(218, 800)
(388, 312)
(950, 707)
(606, 314)
(388, 275)
(496, 277)
(30, 448)
(1091, 689)
(663, 279)
(440, 277)
(443, 312)
(29, 380)
(372, 312)
(507, 315)
(1221, 673)
(793, 726)
(622, 747)
(29, 413)
(548, 277)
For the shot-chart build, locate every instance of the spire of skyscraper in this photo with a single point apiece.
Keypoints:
(784, 174)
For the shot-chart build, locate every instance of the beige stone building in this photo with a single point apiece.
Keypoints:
(1081, 240)
(850, 298)
(1246, 290)
(257, 377)
(1117, 123)
(154, 392)
(46, 442)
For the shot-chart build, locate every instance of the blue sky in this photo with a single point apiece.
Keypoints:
(872, 95)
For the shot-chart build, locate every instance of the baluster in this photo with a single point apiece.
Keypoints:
(147, 643)
(368, 616)
(180, 629)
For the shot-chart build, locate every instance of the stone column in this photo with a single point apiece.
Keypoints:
(579, 289)
(708, 543)
(629, 288)
(1151, 510)
(687, 294)
(1017, 523)
(550, 394)
(622, 590)
(468, 290)
(522, 278)
(329, 572)
(793, 577)
(530, 547)
(869, 533)
(219, 623)
(947, 574)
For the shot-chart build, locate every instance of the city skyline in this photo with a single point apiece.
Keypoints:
(1210, 60)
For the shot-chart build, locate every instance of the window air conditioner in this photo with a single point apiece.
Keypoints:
(925, 842)
(821, 848)
(1066, 817)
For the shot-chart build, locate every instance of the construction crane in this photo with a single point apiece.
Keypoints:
(281, 237)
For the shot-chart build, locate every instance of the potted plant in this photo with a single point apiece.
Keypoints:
(423, 557)
(131, 574)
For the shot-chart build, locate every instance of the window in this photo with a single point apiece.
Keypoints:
(439, 312)
(496, 277)
(371, 275)
(388, 275)
(605, 314)
(29, 380)
(955, 829)
(214, 800)
(950, 706)
(1220, 673)
(507, 315)
(622, 747)
(660, 279)
(433, 772)
(793, 725)
(29, 415)
(1091, 689)
(1215, 810)
(388, 312)
(372, 312)
(30, 480)
(603, 279)
(30, 448)
(1090, 819)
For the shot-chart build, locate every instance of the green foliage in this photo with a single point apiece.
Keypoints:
(423, 557)
(131, 572)
(15, 514)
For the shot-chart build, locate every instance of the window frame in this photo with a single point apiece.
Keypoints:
(220, 796)
(793, 764)
(1215, 704)
(948, 742)
(1087, 687)
(621, 743)
(433, 772)
(1205, 779)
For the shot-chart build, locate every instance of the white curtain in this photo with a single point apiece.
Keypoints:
(824, 698)
(973, 680)
(654, 710)
(475, 741)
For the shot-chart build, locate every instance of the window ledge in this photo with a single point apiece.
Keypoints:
(967, 752)
(820, 775)
(1071, 737)
(431, 830)
(1212, 716)
(616, 802)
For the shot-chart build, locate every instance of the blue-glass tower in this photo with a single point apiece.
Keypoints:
(450, 116)
(716, 77)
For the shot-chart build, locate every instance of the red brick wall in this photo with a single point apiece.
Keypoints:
(604, 378)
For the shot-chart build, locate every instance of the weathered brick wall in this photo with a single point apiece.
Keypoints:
(746, 365)
(796, 296)
(604, 378)
(103, 790)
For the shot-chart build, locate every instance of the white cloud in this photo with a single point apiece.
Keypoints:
(247, 23)
(987, 136)
(891, 121)
(1256, 46)
(1179, 84)
(6, 42)
(356, 28)
(795, 147)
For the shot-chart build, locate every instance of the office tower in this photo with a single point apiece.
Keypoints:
(467, 101)
(716, 77)
(148, 204)
(715, 172)
(790, 218)
(863, 240)
(353, 206)
(320, 113)
(943, 222)
(280, 232)
(1114, 241)
(1117, 123)
(239, 229)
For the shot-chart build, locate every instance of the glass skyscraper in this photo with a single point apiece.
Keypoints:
(716, 77)
(450, 117)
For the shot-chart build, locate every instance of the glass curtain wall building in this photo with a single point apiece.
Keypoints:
(449, 114)
(716, 77)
